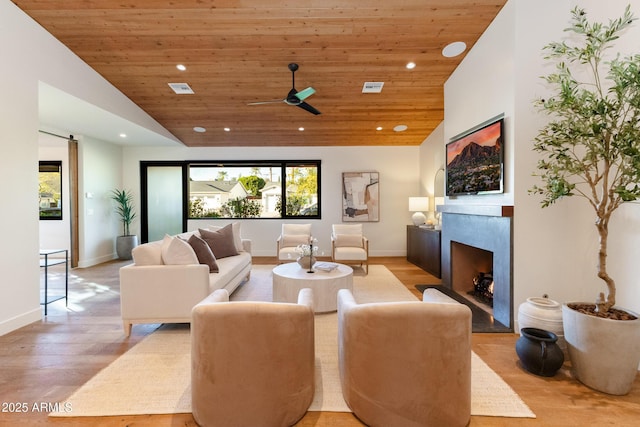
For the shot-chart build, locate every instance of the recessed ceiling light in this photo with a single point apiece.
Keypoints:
(454, 49)
(123, 135)
(401, 128)
(181, 67)
(199, 129)
(227, 129)
(411, 65)
(301, 129)
(379, 128)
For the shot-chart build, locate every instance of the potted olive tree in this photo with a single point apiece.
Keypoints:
(124, 208)
(590, 148)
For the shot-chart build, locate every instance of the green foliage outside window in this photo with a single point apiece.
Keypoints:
(253, 184)
(241, 208)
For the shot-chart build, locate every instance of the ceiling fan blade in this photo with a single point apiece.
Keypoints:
(275, 101)
(309, 108)
(294, 97)
(305, 93)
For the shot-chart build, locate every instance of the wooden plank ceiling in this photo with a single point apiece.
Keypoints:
(237, 52)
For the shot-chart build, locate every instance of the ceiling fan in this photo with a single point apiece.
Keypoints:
(294, 97)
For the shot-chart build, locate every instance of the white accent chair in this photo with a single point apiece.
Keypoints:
(291, 236)
(349, 245)
(252, 362)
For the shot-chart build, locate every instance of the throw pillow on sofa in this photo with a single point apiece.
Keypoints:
(204, 253)
(177, 252)
(221, 241)
(237, 238)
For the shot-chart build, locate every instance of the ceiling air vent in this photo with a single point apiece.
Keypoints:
(372, 87)
(181, 88)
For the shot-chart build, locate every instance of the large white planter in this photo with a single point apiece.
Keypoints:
(604, 353)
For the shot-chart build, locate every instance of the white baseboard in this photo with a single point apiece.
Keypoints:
(90, 262)
(21, 320)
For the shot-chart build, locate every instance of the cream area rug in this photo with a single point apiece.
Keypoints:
(154, 376)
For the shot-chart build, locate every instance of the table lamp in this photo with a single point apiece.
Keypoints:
(418, 205)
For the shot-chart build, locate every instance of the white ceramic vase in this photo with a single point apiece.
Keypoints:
(604, 353)
(543, 313)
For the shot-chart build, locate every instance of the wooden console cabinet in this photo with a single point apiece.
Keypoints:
(423, 248)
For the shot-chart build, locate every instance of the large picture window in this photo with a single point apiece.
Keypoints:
(258, 189)
(50, 189)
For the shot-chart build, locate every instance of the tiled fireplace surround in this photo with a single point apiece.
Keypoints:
(489, 228)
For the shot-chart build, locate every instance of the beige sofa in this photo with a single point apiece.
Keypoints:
(168, 278)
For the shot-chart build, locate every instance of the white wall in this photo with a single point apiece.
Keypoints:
(431, 159)
(554, 248)
(19, 287)
(480, 88)
(398, 168)
(100, 172)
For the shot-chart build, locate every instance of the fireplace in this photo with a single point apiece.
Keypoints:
(478, 239)
(472, 274)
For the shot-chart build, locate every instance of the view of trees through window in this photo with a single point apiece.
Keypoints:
(255, 190)
(50, 189)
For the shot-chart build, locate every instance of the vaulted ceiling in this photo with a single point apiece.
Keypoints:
(237, 52)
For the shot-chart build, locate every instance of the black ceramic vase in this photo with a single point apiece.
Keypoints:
(538, 351)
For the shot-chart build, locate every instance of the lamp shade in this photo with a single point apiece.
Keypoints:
(418, 204)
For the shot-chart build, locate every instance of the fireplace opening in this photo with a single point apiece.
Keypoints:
(472, 274)
(483, 288)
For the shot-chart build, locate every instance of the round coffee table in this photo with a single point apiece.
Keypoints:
(289, 278)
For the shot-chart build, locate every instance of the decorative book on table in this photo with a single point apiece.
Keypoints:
(325, 266)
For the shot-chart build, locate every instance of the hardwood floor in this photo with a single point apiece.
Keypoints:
(43, 363)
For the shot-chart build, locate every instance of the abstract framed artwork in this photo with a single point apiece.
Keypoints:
(360, 197)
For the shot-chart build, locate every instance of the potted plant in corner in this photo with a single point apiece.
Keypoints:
(591, 148)
(124, 208)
